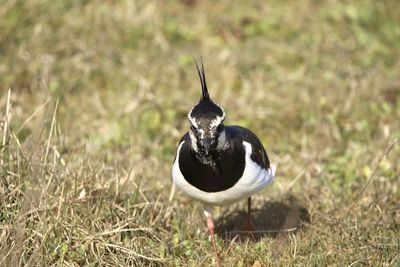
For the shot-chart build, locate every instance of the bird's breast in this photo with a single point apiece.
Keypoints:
(219, 172)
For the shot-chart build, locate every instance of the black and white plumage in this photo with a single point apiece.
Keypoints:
(235, 171)
(218, 164)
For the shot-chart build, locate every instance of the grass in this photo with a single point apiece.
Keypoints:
(98, 101)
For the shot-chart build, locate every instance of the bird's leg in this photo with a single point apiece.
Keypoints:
(211, 227)
(249, 224)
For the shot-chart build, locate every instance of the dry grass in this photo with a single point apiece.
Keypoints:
(98, 100)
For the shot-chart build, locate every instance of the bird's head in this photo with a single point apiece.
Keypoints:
(207, 131)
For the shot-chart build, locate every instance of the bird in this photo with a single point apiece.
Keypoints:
(218, 164)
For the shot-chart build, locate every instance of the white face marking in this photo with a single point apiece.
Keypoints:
(221, 140)
(193, 141)
(223, 111)
(201, 131)
(193, 121)
(196, 125)
(218, 120)
(215, 122)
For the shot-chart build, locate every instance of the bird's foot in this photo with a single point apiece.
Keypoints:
(249, 227)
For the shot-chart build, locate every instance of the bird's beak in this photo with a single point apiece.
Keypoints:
(207, 146)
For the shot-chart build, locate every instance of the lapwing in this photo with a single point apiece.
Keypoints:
(218, 164)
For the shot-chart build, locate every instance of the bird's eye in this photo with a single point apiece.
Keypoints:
(193, 128)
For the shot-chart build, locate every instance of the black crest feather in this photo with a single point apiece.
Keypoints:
(202, 77)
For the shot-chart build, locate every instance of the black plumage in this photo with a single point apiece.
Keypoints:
(206, 109)
(229, 162)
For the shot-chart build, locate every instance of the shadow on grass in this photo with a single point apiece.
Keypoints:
(270, 219)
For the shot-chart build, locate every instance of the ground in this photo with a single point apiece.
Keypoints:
(99, 92)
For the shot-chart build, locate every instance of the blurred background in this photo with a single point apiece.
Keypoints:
(99, 96)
